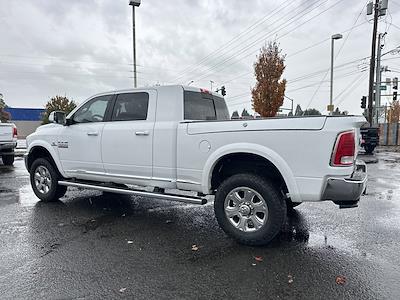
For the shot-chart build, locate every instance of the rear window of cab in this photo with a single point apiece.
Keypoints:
(204, 107)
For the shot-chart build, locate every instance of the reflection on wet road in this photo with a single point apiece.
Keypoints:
(91, 245)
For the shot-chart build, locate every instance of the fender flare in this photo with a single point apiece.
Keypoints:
(48, 148)
(255, 149)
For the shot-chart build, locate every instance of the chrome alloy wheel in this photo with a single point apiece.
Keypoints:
(42, 179)
(246, 209)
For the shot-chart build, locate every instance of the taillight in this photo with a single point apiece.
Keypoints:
(15, 132)
(345, 147)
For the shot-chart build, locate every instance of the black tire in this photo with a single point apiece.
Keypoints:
(292, 205)
(369, 149)
(275, 203)
(8, 159)
(55, 191)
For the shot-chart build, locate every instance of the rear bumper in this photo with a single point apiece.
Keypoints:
(7, 146)
(346, 192)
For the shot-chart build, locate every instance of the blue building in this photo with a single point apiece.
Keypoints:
(26, 119)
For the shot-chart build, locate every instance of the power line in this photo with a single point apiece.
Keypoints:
(223, 47)
(270, 33)
(341, 48)
(295, 53)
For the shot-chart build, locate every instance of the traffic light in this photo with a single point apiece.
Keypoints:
(394, 96)
(395, 83)
(364, 102)
(223, 91)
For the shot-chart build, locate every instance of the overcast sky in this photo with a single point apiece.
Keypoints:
(80, 48)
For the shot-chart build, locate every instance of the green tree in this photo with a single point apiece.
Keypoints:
(235, 115)
(298, 111)
(268, 94)
(245, 113)
(58, 103)
(312, 112)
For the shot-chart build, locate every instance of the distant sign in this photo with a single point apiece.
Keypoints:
(383, 87)
(330, 107)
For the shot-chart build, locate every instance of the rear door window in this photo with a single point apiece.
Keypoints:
(131, 107)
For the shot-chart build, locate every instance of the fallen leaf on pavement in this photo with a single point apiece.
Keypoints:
(195, 248)
(258, 258)
(341, 280)
(290, 278)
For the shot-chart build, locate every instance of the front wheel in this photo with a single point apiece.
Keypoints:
(8, 159)
(250, 209)
(44, 181)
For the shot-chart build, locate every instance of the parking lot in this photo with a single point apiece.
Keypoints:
(91, 245)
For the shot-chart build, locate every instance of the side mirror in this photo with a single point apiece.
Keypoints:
(57, 117)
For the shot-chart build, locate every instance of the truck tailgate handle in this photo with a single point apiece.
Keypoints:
(142, 132)
(93, 133)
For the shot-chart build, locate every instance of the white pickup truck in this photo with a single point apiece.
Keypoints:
(8, 142)
(180, 138)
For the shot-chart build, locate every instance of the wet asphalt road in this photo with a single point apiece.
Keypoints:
(93, 246)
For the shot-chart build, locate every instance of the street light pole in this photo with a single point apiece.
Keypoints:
(134, 3)
(334, 37)
(292, 100)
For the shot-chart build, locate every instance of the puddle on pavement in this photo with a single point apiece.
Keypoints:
(24, 196)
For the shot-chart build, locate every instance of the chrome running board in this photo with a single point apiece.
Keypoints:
(128, 191)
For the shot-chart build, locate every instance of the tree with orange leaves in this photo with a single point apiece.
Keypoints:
(394, 112)
(268, 94)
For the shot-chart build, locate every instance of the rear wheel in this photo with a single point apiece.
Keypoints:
(44, 181)
(8, 159)
(369, 149)
(249, 209)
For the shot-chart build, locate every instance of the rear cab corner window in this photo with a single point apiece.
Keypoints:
(131, 107)
(204, 107)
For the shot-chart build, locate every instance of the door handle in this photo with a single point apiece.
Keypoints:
(92, 133)
(142, 132)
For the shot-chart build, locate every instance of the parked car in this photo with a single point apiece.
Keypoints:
(8, 142)
(370, 138)
(175, 137)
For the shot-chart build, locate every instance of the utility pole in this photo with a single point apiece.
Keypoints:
(134, 3)
(378, 8)
(334, 37)
(372, 63)
(378, 79)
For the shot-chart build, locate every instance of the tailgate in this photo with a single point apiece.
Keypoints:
(6, 132)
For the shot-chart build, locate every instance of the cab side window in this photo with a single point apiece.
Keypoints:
(93, 111)
(131, 107)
